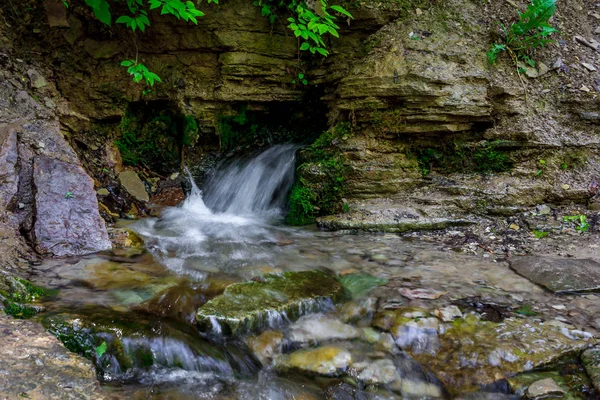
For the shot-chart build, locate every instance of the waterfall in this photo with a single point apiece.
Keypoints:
(232, 221)
(254, 185)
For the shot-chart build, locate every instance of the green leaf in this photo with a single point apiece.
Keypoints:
(322, 51)
(300, 76)
(341, 10)
(304, 46)
(123, 19)
(100, 350)
(127, 63)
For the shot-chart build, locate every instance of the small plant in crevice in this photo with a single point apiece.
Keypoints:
(483, 157)
(542, 167)
(530, 32)
(540, 234)
(580, 221)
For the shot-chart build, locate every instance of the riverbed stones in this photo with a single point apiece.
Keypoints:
(474, 353)
(559, 275)
(591, 361)
(67, 221)
(270, 301)
(34, 365)
(544, 389)
(328, 360)
(132, 183)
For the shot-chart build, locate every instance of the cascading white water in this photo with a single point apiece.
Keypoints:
(230, 223)
(256, 185)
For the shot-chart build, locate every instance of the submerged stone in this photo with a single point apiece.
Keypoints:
(559, 275)
(250, 306)
(319, 328)
(266, 346)
(329, 360)
(359, 285)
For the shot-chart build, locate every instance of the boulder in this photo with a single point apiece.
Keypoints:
(545, 389)
(67, 221)
(560, 275)
(34, 365)
(269, 302)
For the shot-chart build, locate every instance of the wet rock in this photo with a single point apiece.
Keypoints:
(34, 365)
(591, 361)
(319, 328)
(420, 336)
(122, 238)
(420, 389)
(132, 183)
(181, 301)
(67, 221)
(360, 284)
(544, 389)
(266, 346)
(428, 294)
(379, 372)
(474, 353)
(270, 302)
(358, 309)
(330, 360)
(448, 314)
(559, 275)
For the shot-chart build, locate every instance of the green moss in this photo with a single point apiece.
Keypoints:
(301, 206)
(154, 136)
(483, 157)
(20, 311)
(359, 285)
(190, 131)
(310, 198)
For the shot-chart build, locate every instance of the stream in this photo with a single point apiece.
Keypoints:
(417, 320)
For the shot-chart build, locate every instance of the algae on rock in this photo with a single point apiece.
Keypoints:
(249, 306)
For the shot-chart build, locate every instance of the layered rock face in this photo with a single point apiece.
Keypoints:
(436, 136)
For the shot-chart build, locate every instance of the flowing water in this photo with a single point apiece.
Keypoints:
(139, 306)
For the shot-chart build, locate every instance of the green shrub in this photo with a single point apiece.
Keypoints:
(530, 32)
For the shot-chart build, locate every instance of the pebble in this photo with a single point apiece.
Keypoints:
(589, 67)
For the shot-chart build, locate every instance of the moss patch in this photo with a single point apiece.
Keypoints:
(322, 194)
(249, 306)
(15, 293)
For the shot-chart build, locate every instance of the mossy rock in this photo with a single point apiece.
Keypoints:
(130, 341)
(17, 293)
(250, 306)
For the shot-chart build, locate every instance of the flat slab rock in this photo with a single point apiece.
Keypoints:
(67, 221)
(560, 275)
(34, 365)
(269, 302)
